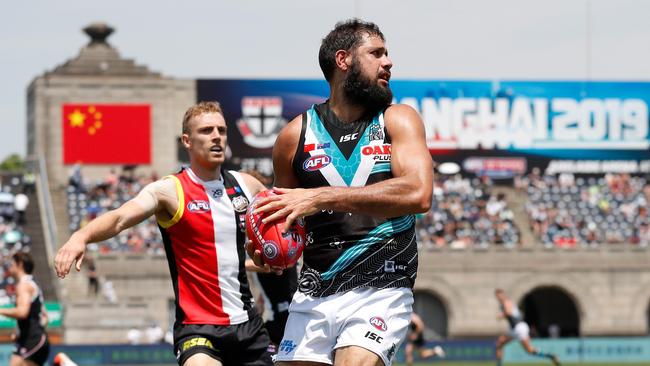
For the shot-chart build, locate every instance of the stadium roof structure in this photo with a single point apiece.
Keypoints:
(98, 57)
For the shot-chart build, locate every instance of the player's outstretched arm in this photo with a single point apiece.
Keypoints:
(155, 198)
(408, 192)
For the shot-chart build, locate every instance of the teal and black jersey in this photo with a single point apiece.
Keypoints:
(344, 250)
(514, 318)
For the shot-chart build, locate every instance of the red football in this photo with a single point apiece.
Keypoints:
(277, 250)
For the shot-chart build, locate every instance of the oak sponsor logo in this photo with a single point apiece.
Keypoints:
(378, 152)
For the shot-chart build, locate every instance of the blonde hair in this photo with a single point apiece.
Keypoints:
(199, 109)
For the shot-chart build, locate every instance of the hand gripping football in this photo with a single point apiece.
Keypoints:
(277, 250)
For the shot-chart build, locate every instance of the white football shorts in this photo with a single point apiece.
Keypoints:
(374, 319)
(521, 331)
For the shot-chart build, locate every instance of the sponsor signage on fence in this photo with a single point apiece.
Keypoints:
(53, 316)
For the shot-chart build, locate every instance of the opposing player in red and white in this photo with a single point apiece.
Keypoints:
(200, 212)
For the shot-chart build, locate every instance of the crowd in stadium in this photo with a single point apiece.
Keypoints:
(564, 211)
(13, 203)
(466, 213)
(87, 200)
(567, 211)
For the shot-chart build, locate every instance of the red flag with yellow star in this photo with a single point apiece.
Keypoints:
(106, 134)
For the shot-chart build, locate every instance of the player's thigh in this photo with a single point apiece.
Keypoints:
(503, 340)
(202, 359)
(356, 356)
(300, 363)
(18, 361)
(29, 363)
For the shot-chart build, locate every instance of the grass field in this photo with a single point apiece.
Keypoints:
(492, 363)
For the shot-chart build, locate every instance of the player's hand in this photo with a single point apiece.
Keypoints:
(254, 254)
(70, 252)
(290, 204)
(258, 262)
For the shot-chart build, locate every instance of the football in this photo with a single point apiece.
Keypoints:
(277, 250)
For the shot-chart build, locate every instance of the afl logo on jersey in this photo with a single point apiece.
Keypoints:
(316, 162)
(198, 206)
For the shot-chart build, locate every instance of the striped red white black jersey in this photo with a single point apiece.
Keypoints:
(204, 242)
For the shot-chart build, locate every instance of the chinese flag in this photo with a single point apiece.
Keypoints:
(106, 134)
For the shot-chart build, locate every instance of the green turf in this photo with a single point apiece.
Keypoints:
(492, 363)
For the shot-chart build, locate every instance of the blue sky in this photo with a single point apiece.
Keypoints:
(427, 39)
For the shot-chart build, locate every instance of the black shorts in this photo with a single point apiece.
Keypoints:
(276, 326)
(417, 342)
(241, 344)
(36, 350)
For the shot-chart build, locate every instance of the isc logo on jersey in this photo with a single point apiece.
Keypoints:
(378, 152)
(316, 162)
(198, 206)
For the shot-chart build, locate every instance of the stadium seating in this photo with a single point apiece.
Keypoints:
(85, 202)
(466, 213)
(567, 211)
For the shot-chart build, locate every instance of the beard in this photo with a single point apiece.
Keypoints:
(363, 91)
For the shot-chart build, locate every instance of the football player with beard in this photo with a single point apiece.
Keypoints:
(357, 169)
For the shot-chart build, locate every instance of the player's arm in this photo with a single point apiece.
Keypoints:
(44, 318)
(507, 308)
(283, 154)
(155, 198)
(254, 186)
(408, 192)
(24, 294)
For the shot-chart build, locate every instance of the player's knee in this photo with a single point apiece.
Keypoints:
(356, 356)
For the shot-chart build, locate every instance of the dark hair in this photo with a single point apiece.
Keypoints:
(345, 36)
(26, 260)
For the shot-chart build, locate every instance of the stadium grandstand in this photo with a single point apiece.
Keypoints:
(566, 235)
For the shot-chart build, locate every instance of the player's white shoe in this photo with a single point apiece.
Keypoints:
(438, 351)
(61, 359)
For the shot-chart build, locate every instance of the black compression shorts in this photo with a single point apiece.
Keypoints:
(241, 344)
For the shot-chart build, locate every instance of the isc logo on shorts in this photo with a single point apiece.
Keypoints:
(374, 337)
(196, 342)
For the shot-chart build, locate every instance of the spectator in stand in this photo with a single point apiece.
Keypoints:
(465, 213)
(105, 195)
(29, 182)
(21, 201)
(567, 211)
(93, 278)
